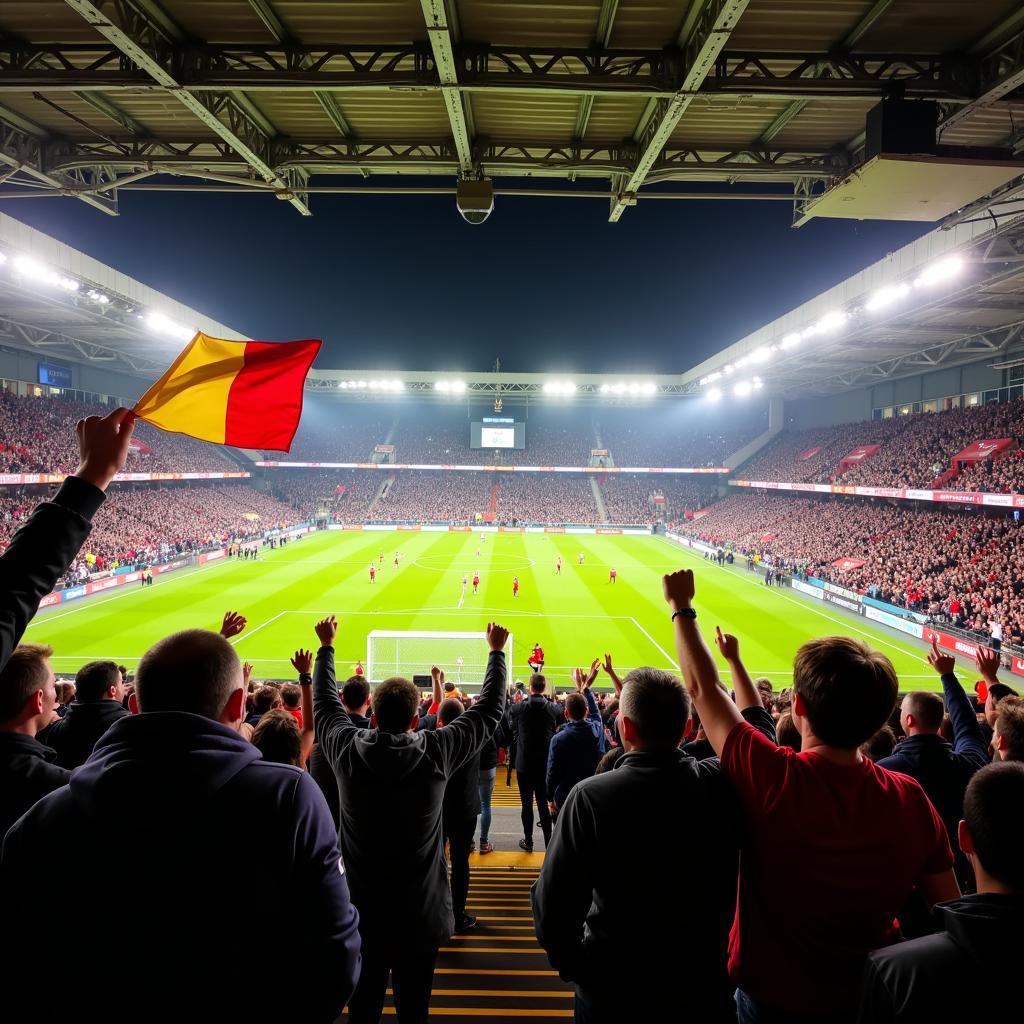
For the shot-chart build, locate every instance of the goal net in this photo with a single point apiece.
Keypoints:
(463, 656)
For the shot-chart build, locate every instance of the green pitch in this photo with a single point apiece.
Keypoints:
(576, 616)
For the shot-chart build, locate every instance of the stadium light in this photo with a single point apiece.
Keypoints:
(886, 297)
(941, 271)
(3, 258)
(33, 271)
(165, 325)
(762, 354)
(605, 388)
(714, 394)
(564, 388)
(98, 296)
(790, 341)
(742, 389)
(650, 388)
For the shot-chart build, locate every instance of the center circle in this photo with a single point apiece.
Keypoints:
(496, 563)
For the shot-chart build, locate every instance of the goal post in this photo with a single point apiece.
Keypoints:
(408, 653)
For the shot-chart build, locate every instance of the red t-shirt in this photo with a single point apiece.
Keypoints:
(296, 713)
(832, 855)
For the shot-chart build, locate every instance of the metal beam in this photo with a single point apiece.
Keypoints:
(602, 40)
(866, 23)
(442, 43)
(710, 34)
(138, 41)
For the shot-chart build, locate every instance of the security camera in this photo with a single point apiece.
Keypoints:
(475, 200)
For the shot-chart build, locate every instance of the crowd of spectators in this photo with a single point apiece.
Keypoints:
(628, 498)
(546, 498)
(311, 492)
(914, 451)
(37, 436)
(355, 802)
(422, 495)
(963, 567)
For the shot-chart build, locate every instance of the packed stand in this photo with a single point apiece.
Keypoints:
(337, 432)
(963, 567)
(627, 498)
(37, 435)
(993, 476)
(309, 491)
(311, 784)
(685, 495)
(546, 498)
(420, 496)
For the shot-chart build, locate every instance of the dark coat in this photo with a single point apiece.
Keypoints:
(172, 824)
(574, 752)
(74, 736)
(28, 774)
(391, 793)
(40, 553)
(532, 723)
(936, 978)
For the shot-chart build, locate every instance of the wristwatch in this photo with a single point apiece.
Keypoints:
(305, 679)
(687, 613)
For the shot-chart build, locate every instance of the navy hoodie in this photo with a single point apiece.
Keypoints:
(192, 857)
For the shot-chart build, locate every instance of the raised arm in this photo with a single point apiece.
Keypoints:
(41, 551)
(612, 675)
(968, 743)
(746, 693)
(471, 730)
(302, 662)
(718, 715)
(436, 689)
(332, 720)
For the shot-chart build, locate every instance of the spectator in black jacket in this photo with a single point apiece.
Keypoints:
(935, 978)
(576, 749)
(176, 793)
(459, 813)
(392, 782)
(942, 769)
(99, 690)
(27, 700)
(664, 927)
(532, 723)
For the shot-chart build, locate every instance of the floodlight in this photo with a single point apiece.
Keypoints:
(165, 325)
(758, 383)
(397, 385)
(790, 341)
(761, 355)
(634, 388)
(442, 385)
(886, 296)
(714, 394)
(728, 368)
(605, 388)
(831, 321)
(620, 388)
(458, 386)
(650, 388)
(3, 258)
(742, 389)
(941, 271)
(362, 383)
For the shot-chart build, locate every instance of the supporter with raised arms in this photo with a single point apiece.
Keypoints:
(825, 817)
(391, 782)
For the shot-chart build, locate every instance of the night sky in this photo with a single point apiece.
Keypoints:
(401, 282)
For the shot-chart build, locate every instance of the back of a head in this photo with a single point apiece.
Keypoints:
(999, 691)
(194, 671)
(448, 710)
(265, 698)
(927, 708)
(1010, 727)
(576, 706)
(786, 732)
(395, 704)
(609, 760)
(657, 704)
(24, 674)
(355, 693)
(882, 744)
(291, 695)
(538, 683)
(848, 689)
(277, 738)
(992, 806)
(93, 681)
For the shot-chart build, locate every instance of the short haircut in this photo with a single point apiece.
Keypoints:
(449, 687)
(787, 734)
(609, 760)
(355, 693)
(927, 708)
(395, 704)
(448, 710)
(848, 689)
(265, 698)
(538, 683)
(291, 694)
(277, 738)
(24, 674)
(882, 744)
(1010, 726)
(65, 692)
(93, 681)
(194, 671)
(657, 704)
(992, 812)
(997, 691)
(576, 706)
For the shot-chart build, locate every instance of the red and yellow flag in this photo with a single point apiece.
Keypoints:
(242, 393)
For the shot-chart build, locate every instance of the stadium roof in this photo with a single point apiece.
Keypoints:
(283, 96)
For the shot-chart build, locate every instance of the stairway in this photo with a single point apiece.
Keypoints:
(492, 505)
(602, 512)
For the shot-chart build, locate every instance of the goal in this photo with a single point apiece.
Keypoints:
(463, 656)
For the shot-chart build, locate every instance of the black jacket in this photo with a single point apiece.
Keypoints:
(28, 773)
(947, 976)
(489, 755)
(74, 736)
(644, 942)
(40, 553)
(391, 791)
(532, 723)
(172, 824)
(462, 795)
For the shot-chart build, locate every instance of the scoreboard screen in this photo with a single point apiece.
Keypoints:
(497, 432)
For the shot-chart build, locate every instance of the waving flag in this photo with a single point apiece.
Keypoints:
(242, 393)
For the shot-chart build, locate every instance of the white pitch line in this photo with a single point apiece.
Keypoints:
(667, 656)
(245, 636)
(810, 607)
